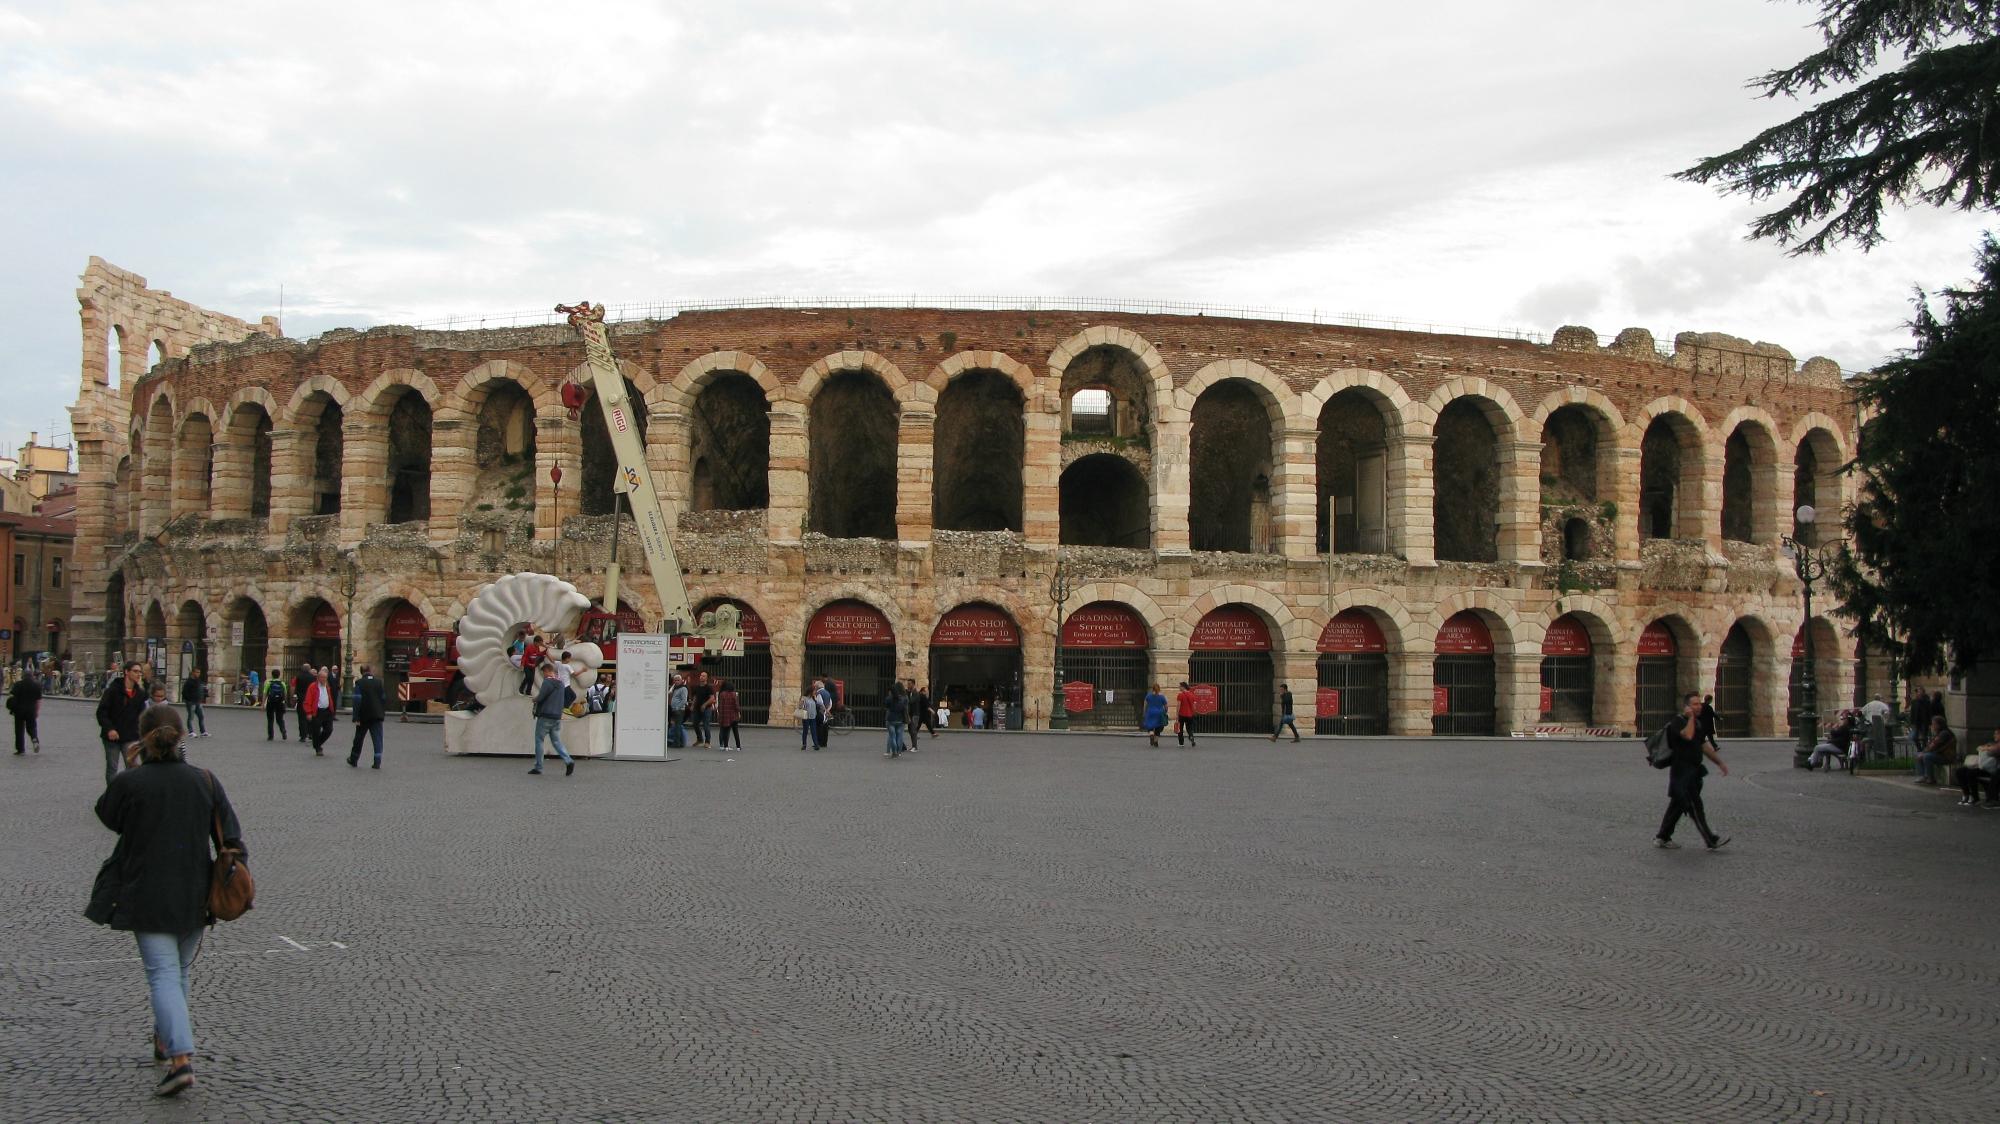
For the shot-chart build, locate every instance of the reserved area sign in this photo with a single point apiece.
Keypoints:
(641, 720)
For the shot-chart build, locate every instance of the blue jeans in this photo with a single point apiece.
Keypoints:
(550, 728)
(701, 726)
(895, 738)
(806, 740)
(167, 956)
(1287, 720)
(196, 717)
(366, 729)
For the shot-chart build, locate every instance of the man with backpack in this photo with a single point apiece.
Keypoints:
(274, 706)
(1685, 748)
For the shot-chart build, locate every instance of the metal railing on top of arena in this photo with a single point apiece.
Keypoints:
(661, 310)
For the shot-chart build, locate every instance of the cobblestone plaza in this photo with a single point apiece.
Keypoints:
(1024, 927)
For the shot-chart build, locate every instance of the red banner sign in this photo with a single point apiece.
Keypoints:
(1328, 702)
(850, 622)
(405, 622)
(1104, 624)
(1566, 637)
(1464, 635)
(1079, 697)
(1353, 630)
(1548, 699)
(1231, 628)
(976, 626)
(326, 623)
(1658, 640)
(1207, 700)
(747, 620)
(1440, 700)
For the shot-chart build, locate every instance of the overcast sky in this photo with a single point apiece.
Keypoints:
(1488, 164)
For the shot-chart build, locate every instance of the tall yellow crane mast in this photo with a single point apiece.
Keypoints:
(633, 479)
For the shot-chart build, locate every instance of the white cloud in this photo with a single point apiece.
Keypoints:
(1477, 164)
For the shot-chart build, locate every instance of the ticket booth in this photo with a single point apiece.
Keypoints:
(1230, 651)
(1106, 666)
(1569, 672)
(1353, 694)
(851, 641)
(1462, 679)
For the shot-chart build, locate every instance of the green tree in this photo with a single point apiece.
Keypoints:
(1925, 132)
(1920, 575)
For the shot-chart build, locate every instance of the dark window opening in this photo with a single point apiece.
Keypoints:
(1732, 685)
(1466, 500)
(1104, 502)
(851, 459)
(731, 445)
(1576, 540)
(1351, 458)
(1659, 480)
(1229, 492)
(409, 458)
(1123, 410)
(328, 449)
(978, 447)
(1738, 486)
(504, 447)
(1569, 456)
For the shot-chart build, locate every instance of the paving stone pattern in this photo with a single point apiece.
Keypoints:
(1023, 927)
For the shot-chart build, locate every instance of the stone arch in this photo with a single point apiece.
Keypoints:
(194, 461)
(335, 391)
(1750, 469)
(1813, 420)
(1753, 710)
(649, 390)
(157, 464)
(1360, 460)
(1608, 661)
(465, 398)
(1398, 626)
(1236, 413)
(682, 390)
(1818, 461)
(1104, 500)
(725, 399)
(794, 623)
(1278, 617)
(1672, 437)
(1158, 622)
(1132, 343)
(853, 435)
(1607, 425)
(1507, 639)
(1020, 373)
(395, 426)
(979, 448)
(810, 380)
(254, 654)
(1473, 468)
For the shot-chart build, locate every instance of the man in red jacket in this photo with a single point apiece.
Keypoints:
(318, 707)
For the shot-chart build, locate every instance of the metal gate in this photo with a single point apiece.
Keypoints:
(1572, 685)
(1245, 703)
(1118, 678)
(1732, 687)
(1363, 683)
(750, 674)
(865, 669)
(964, 676)
(1658, 691)
(1467, 682)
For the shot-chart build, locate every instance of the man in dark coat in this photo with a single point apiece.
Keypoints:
(24, 702)
(274, 706)
(371, 705)
(305, 678)
(118, 716)
(1685, 737)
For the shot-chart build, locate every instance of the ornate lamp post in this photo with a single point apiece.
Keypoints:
(1059, 593)
(1809, 563)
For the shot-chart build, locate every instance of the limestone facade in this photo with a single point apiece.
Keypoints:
(243, 499)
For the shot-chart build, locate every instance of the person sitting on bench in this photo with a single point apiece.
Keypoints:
(1985, 771)
(1839, 743)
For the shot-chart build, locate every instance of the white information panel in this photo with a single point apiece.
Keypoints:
(642, 695)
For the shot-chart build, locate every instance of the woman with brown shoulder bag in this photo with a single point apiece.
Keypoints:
(158, 881)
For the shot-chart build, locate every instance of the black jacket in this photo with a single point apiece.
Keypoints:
(24, 699)
(156, 880)
(193, 691)
(119, 710)
(370, 703)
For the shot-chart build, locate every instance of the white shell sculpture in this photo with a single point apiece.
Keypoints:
(487, 629)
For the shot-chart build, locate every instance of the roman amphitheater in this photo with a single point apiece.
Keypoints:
(1419, 533)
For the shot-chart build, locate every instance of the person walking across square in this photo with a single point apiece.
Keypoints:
(1684, 774)
(895, 712)
(318, 706)
(24, 702)
(823, 695)
(118, 713)
(728, 713)
(275, 706)
(1184, 717)
(371, 706)
(548, 721)
(1154, 719)
(806, 712)
(194, 693)
(1285, 715)
(300, 683)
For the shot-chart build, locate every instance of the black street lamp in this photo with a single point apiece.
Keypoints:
(1059, 593)
(1809, 563)
(350, 580)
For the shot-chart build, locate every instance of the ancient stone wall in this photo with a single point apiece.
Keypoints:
(919, 460)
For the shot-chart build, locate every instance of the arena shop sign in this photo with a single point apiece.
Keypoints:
(976, 626)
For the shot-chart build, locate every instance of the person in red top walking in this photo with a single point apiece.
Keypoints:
(318, 708)
(728, 712)
(1184, 717)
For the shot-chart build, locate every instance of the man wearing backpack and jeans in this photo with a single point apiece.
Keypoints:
(1686, 741)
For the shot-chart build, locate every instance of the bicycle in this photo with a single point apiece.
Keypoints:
(841, 720)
